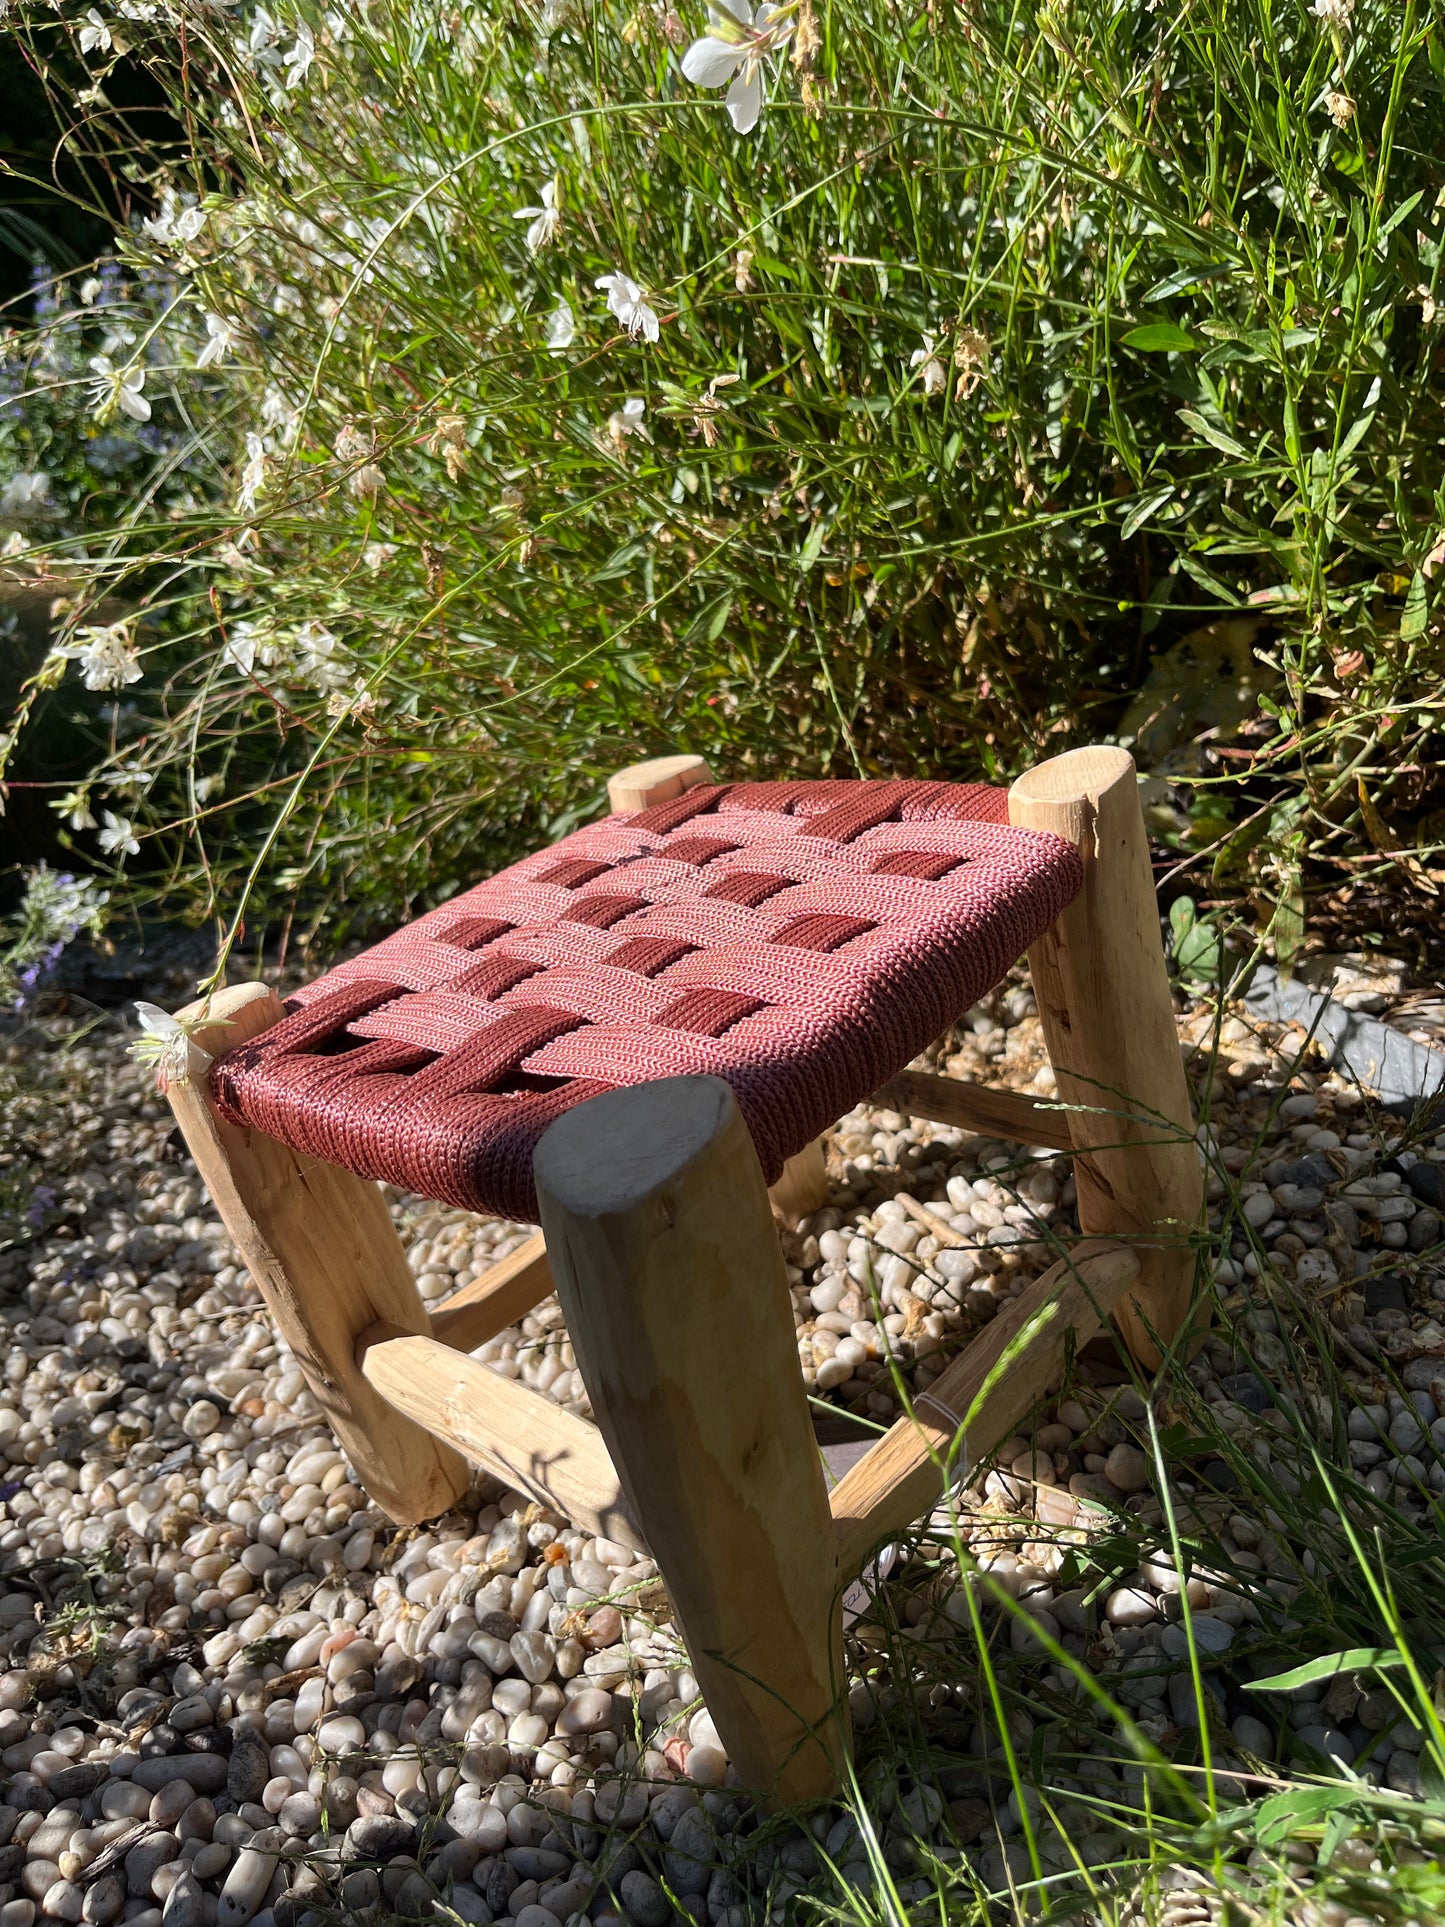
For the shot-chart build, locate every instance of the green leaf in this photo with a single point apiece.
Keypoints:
(711, 620)
(1216, 437)
(1401, 212)
(1197, 952)
(1416, 614)
(1286, 1813)
(1355, 1659)
(813, 547)
(1181, 279)
(1143, 507)
(1160, 338)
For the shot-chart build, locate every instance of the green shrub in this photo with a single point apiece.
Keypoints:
(1010, 345)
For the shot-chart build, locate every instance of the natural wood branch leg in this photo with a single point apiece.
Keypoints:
(521, 1436)
(897, 1480)
(973, 1107)
(321, 1245)
(669, 1272)
(803, 1187)
(1103, 994)
(505, 1292)
(641, 784)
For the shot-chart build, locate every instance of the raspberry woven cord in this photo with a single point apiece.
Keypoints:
(802, 940)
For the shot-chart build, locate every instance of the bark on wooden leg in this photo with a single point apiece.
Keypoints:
(1103, 995)
(321, 1246)
(669, 1272)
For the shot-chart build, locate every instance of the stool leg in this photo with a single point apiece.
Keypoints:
(668, 1269)
(1103, 994)
(803, 1187)
(642, 784)
(321, 1246)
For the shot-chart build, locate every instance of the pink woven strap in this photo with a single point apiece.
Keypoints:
(802, 940)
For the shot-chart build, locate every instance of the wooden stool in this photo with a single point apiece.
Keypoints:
(658, 1230)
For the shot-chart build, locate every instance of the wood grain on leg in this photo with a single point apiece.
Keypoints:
(973, 1107)
(521, 1436)
(323, 1250)
(1103, 994)
(505, 1292)
(669, 1272)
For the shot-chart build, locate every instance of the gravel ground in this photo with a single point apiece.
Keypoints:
(231, 1691)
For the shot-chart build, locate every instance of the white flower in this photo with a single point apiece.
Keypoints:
(561, 327)
(118, 836)
(105, 654)
(546, 220)
(74, 806)
(1339, 107)
(240, 646)
(932, 368)
(280, 414)
(627, 420)
(366, 481)
(222, 338)
(733, 49)
(627, 301)
(95, 36)
(90, 287)
(118, 388)
(27, 493)
(129, 779)
(1334, 13)
(253, 475)
(299, 56)
(319, 661)
(168, 1045)
(177, 222)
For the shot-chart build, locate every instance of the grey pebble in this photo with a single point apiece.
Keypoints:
(1254, 1736)
(78, 1782)
(644, 1900)
(1427, 1182)
(1249, 1390)
(185, 1903)
(691, 1854)
(1211, 1636)
(1424, 1232)
(249, 1768)
(104, 1899)
(1327, 1740)
(206, 1772)
(146, 1858)
(380, 1836)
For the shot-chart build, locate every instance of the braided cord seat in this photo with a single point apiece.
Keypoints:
(802, 941)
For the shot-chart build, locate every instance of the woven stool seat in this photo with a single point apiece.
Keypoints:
(803, 941)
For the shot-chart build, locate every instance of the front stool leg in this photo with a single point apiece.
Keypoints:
(1103, 994)
(668, 1268)
(321, 1246)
